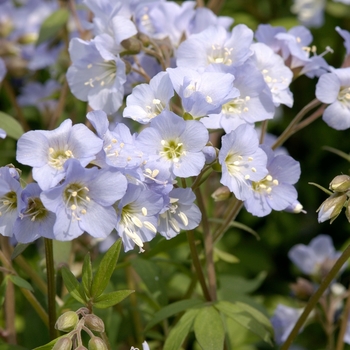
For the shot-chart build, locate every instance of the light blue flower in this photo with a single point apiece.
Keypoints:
(176, 142)
(334, 89)
(83, 201)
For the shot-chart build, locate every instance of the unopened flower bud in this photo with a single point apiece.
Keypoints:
(94, 323)
(67, 321)
(132, 45)
(302, 289)
(64, 343)
(81, 347)
(340, 183)
(144, 39)
(331, 207)
(221, 194)
(295, 208)
(96, 343)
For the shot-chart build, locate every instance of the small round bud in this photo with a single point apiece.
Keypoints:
(340, 183)
(96, 343)
(144, 39)
(81, 347)
(132, 45)
(221, 194)
(302, 289)
(94, 323)
(67, 321)
(64, 343)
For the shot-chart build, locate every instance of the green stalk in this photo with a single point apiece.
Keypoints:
(197, 264)
(344, 322)
(51, 290)
(315, 298)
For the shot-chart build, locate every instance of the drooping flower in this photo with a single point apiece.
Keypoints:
(176, 142)
(334, 89)
(47, 151)
(242, 160)
(83, 201)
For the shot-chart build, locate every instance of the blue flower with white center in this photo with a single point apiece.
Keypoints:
(334, 89)
(283, 321)
(252, 104)
(96, 75)
(148, 100)
(275, 191)
(83, 201)
(215, 45)
(202, 92)
(181, 213)
(176, 142)
(34, 219)
(317, 258)
(10, 197)
(137, 216)
(242, 160)
(47, 151)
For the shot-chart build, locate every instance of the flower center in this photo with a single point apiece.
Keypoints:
(107, 77)
(58, 157)
(35, 210)
(265, 185)
(344, 96)
(155, 109)
(236, 106)
(172, 150)
(237, 164)
(219, 54)
(76, 199)
(8, 202)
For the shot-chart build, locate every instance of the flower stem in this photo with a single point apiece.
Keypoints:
(344, 322)
(197, 264)
(51, 290)
(208, 246)
(315, 298)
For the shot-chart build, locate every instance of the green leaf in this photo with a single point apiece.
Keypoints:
(12, 347)
(72, 285)
(52, 25)
(224, 256)
(19, 249)
(248, 317)
(50, 345)
(105, 269)
(106, 300)
(172, 309)
(209, 329)
(178, 334)
(150, 274)
(239, 285)
(20, 282)
(87, 275)
(12, 127)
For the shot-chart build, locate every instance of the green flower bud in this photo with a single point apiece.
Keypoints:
(340, 183)
(97, 343)
(67, 321)
(302, 289)
(132, 46)
(94, 323)
(221, 194)
(64, 343)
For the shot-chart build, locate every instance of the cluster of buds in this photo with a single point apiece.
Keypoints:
(333, 205)
(76, 322)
